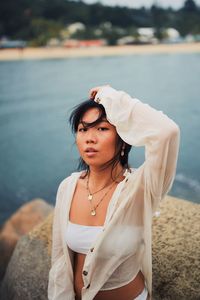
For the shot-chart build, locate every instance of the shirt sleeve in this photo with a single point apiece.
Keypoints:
(57, 248)
(56, 273)
(138, 124)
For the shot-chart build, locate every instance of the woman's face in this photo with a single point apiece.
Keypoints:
(96, 145)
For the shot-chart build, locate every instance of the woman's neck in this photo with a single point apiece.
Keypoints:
(99, 178)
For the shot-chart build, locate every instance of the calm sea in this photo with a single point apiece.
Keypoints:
(36, 147)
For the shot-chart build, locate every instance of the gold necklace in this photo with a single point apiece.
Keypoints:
(93, 209)
(90, 195)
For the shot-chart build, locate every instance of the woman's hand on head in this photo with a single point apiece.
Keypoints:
(94, 91)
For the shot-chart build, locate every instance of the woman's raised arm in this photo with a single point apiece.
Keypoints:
(139, 124)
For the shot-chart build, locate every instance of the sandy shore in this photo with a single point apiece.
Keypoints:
(48, 53)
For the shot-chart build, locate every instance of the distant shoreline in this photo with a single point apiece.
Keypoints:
(58, 52)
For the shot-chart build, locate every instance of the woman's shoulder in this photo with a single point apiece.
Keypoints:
(69, 180)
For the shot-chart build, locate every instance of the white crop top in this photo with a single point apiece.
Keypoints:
(80, 238)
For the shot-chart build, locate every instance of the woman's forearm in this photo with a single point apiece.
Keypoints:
(139, 124)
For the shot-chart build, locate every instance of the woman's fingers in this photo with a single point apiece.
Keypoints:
(93, 92)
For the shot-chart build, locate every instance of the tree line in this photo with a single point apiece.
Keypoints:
(38, 20)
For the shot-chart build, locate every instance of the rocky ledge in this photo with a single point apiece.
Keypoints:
(176, 256)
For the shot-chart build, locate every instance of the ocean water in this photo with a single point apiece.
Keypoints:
(37, 149)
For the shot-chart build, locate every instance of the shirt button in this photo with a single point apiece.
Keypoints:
(88, 286)
(85, 273)
(92, 249)
(126, 180)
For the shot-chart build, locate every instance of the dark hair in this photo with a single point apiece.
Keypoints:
(76, 118)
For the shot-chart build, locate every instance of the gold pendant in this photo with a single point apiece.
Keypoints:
(90, 197)
(93, 212)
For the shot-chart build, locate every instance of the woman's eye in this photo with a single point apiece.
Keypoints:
(102, 128)
(82, 129)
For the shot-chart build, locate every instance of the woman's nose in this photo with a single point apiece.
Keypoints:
(91, 137)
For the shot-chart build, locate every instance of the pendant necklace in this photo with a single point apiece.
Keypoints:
(90, 195)
(93, 209)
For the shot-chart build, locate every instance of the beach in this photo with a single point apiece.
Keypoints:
(58, 52)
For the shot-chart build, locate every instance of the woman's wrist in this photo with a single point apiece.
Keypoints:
(105, 92)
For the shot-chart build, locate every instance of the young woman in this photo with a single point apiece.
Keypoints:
(101, 246)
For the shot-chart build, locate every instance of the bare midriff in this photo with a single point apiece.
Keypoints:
(126, 292)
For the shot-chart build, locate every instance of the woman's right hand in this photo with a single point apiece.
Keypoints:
(94, 91)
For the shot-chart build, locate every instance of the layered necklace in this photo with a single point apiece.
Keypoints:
(90, 195)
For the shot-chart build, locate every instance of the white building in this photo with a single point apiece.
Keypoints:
(74, 27)
(146, 35)
(147, 32)
(126, 40)
(172, 35)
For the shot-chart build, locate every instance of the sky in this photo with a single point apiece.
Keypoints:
(138, 3)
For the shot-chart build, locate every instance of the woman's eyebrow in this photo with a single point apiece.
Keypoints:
(85, 123)
(102, 121)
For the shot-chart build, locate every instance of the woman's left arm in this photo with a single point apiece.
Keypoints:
(139, 124)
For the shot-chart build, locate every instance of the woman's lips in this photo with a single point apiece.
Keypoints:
(91, 152)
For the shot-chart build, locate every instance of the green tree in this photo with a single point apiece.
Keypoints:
(190, 6)
(22, 19)
(42, 30)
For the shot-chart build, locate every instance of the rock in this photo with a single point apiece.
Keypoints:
(26, 276)
(176, 251)
(20, 223)
(176, 257)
